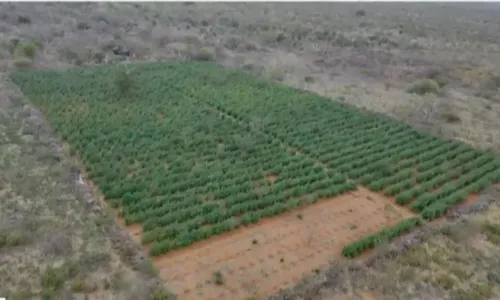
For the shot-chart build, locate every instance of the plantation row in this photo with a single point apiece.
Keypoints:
(375, 151)
(180, 169)
(379, 238)
(188, 149)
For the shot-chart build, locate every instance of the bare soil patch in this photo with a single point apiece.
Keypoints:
(259, 260)
(272, 177)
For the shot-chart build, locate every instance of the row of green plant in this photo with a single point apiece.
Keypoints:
(428, 182)
(187, 147)
(439, 155)
(181, 169)
(381, 237)
(439, 208)
(168, 236)
(234, 206)
(348, 146)
(435, 166)
(475, 181)
(231, 188)
(399, 183)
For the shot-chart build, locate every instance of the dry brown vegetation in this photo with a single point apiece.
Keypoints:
(432, 65)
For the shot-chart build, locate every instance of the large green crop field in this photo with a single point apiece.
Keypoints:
(187, 149)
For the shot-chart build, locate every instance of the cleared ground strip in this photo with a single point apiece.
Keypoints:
(228, 180)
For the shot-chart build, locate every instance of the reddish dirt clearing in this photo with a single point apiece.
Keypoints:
(258, 260)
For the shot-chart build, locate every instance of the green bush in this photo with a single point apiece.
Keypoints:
(277, 74)
(123, 82)
(22, 62)
(204, 54)
(78, 286)
(424, 86)
(218, 278)
(53, 279)
(11, 238)
(28, 50)
(159, 294)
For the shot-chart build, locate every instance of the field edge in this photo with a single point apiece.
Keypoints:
(129, 253)
(336, 275)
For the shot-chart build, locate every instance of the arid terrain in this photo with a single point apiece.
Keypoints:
(434, 66)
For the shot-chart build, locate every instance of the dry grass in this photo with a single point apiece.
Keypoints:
(364, 54)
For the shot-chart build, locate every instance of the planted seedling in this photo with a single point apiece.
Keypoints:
(218, 278)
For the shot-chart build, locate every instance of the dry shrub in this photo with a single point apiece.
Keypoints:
(489, 88)
(23, 20)
(360, 13)
(488, 94)
(4, 54)
(451, 118)
(493, 82)
(439, 75)
(424, 86)
(83, 26)
(160, 36)
(309, 79)
(12, 45)
(239, 60)
(249, 46)
(69, 55)
(255, 69)
(164, 36)
(232, 42)
(177, 49)
(268, 38)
